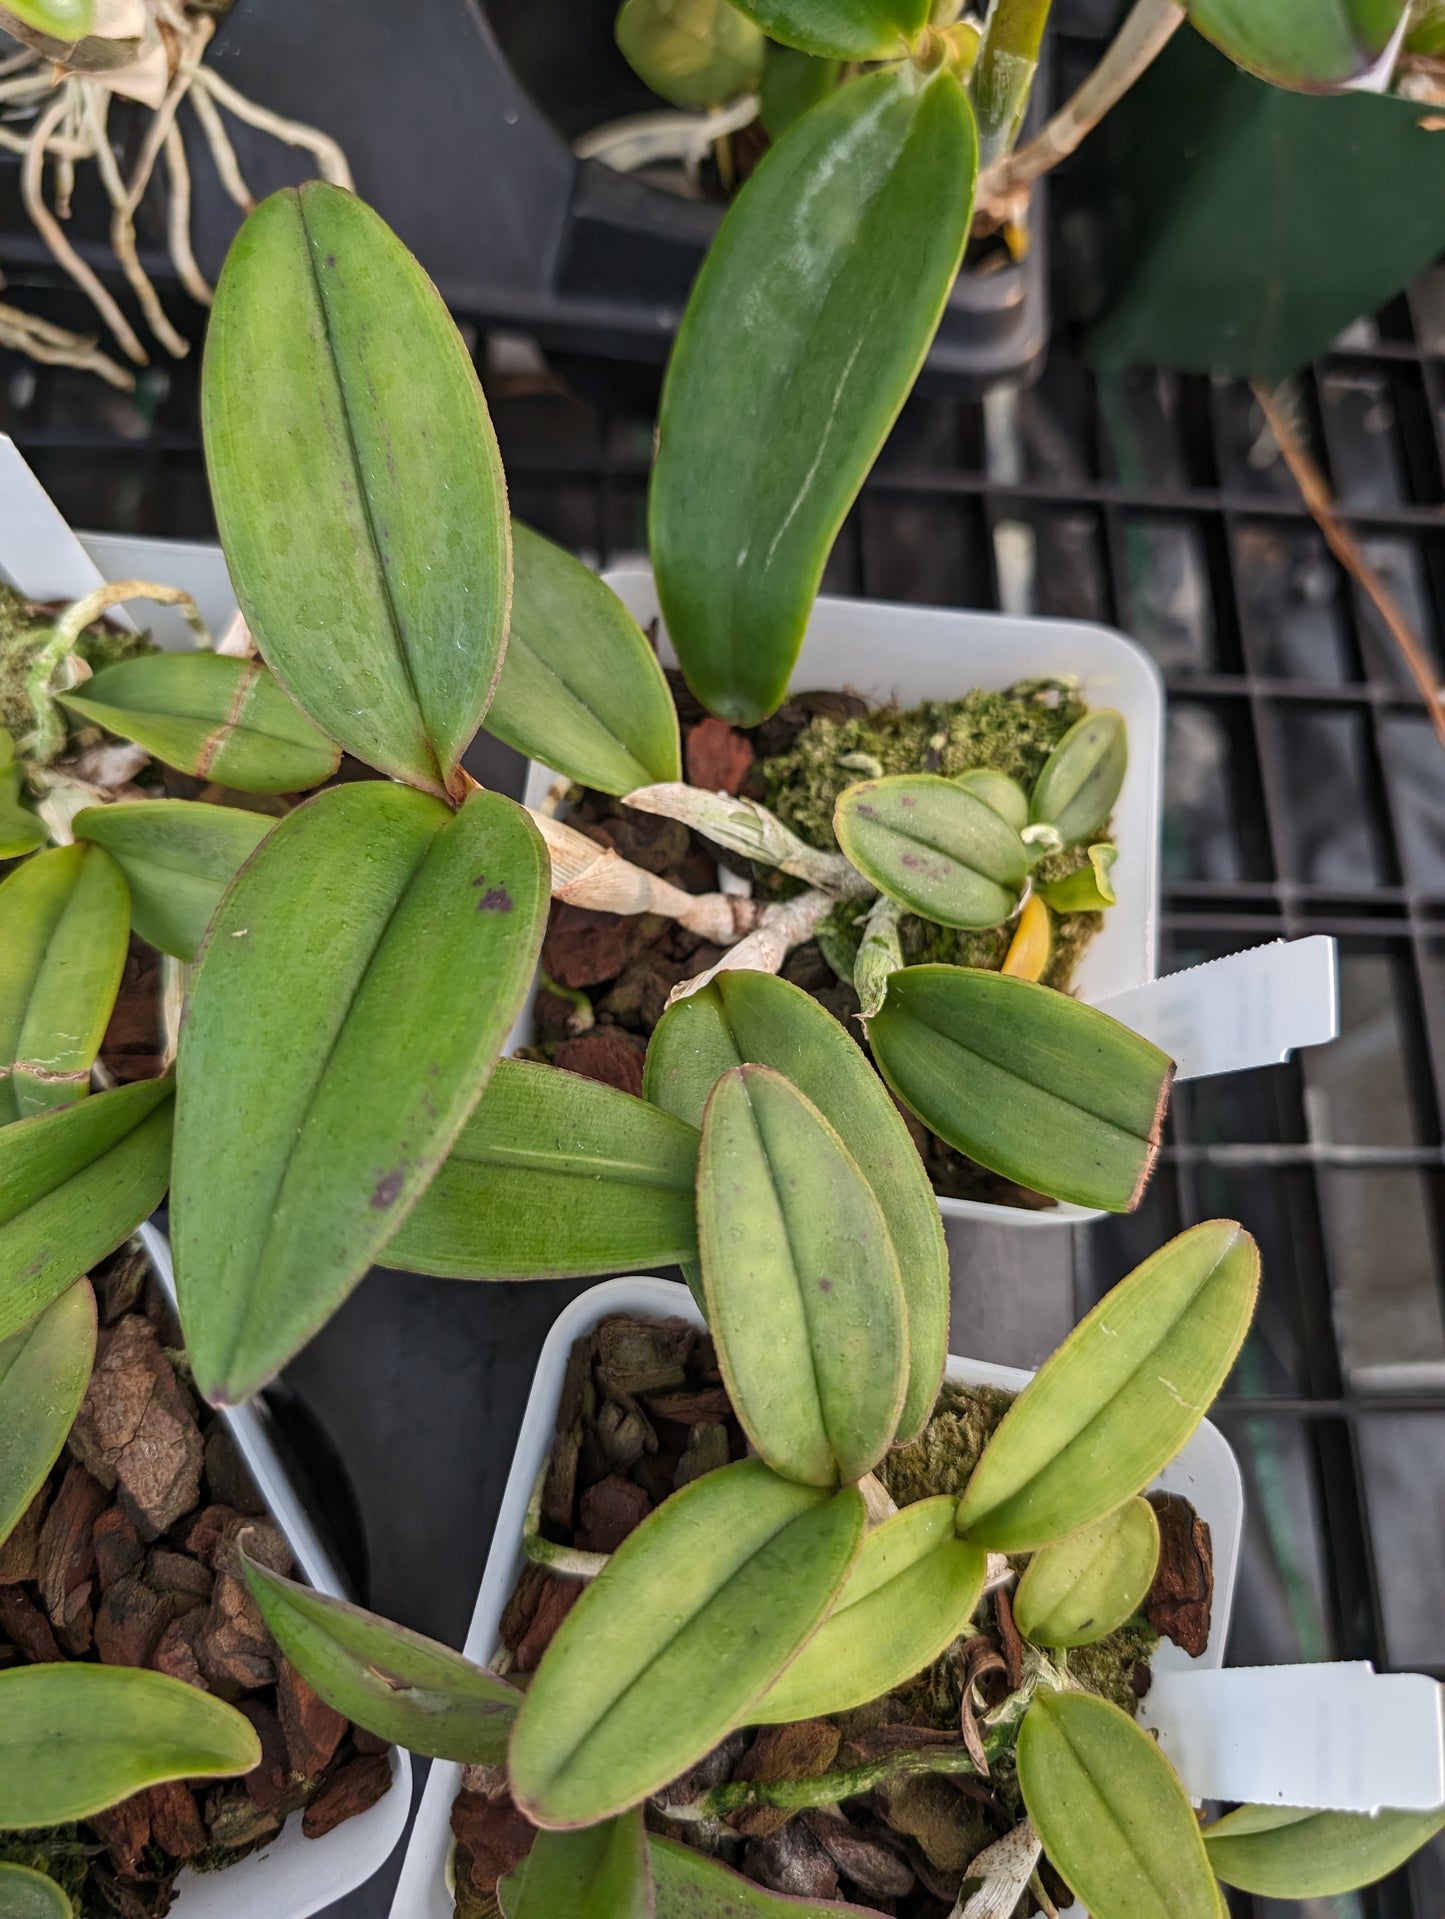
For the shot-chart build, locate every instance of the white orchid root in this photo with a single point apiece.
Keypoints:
(71, 130)
(742, 826)
(780, 929)
(586, 874)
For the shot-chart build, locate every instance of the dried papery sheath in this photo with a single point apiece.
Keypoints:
(880, 956)
(586, 874)
(781, 928)
(1005, 1868)
(742, 826)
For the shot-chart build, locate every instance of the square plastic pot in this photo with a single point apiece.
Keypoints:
(916, 653)
(1206, 1473)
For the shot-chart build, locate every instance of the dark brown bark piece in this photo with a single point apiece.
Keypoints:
(125, 1832)
(270, 1783)
(26, 1627)
(186, 1580)
(235, 1820)
(643, 1356)
(365, 1741)
(873, 1867)
(557, 1598)
(791, 1860)
(313, 1729)
(521, 1608)
(20, 1550)
(607, 1054)
(1181, 1600)
(583, 948)
(492, 1835)
(65, 1560)
(118, 1548)
(718, 757)
(118, 1287)
(204, 1534)
(803, 1750)
(609, 1512)
(175, 1818)
(129, 1622)
(624, 1434)
(176, 1652)
(703, 1405)
(353, 1789)
(136, 1429)
(234, 1646)
(227, 1481)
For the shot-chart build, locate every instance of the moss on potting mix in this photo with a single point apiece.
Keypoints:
(643, 1411)
(24, 628)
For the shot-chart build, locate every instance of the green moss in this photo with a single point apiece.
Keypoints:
(945, 1453)
(61, 1853)
(23, 627)
(1107, 1667)
(1014, 731)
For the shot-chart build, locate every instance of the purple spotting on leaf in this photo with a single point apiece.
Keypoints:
(907, 799)
(386, 1191)
(825, 1285)
(496, 899)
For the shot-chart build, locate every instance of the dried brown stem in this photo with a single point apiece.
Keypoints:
(1348, 551)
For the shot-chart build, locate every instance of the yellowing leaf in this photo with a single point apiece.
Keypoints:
(1080, 1588)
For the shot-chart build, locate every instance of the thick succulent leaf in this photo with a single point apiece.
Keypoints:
(1114, 1819)
(910, 1595)
(1005, 796)
(358, 983)
(357, 483)
(1427, 30)
(939, 849)
(1079, 1589)
(1310, 46)
(692, 1618)
(215, 717)
(803, 335)
(599, 1872)
(845, 29)
(77, 1738)
(1030, 1083)
(581, 689)
(31, 1895)
(746, 1016)
(66, 921)
(1280, 1852)
(178, 857)
(44, 1371)
(804, 1297)
(695, 53)
(1089, 890)
(791, 83)
(692, 1886)
(1114, 1404)
(63, 20)
(1076, 791)
(73, 1185)
(554, 1177)
(408, 1689)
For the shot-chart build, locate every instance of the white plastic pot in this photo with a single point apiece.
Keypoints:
(1205, 1473)
(915, 653)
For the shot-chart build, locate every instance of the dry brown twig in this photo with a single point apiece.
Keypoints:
(1348, 551)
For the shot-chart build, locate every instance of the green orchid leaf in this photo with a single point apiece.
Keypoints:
(940, 850)
(359, 980)
(74, 1184)
(1007, 798)
(1003, 73)
(581, 689)
(555, 1177)
(66, 915)
(31, 1895)
(367, 534)
(1076, 791)
(689, 1622)
(1426, 35)
(1115, 1821)
(405, 1688)
(692, 1886)
(1113, 1405)
(1309, 46)
(65, 21)
(214, 717)
(178, 858)
(804, 1297)
(1030, 1083)
(600, 1872)
(841, 29)
(745, 1016)
(1080, 1589)
(1090, 890)
(44, 1371)
(791, 83)
(21, 831)
(695, 53)
(908, 1598)
(75, 1739)
(1280, 1852)
(804, 333)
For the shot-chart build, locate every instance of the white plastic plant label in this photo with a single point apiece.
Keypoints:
(1247, 1009)
(42, 558)
(1333, 1738)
